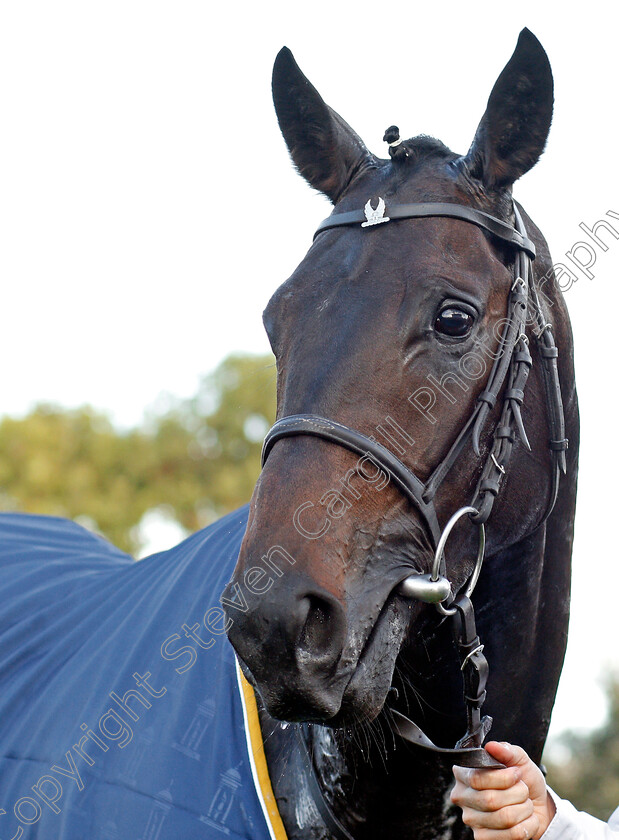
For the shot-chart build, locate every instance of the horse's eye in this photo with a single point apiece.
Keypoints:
(454, 322)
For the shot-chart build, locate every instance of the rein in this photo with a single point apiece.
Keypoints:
(510, 368)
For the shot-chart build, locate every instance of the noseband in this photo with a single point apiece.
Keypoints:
(511, 367)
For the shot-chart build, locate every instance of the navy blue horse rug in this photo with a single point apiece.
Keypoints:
(122, 713)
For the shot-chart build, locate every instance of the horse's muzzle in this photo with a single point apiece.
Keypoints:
(291, 641)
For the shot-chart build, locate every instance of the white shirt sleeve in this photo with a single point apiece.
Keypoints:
(570, 824)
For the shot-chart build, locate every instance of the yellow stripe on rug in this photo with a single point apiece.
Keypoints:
(258, 760)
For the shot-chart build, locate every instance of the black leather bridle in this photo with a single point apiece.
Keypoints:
(511, 366)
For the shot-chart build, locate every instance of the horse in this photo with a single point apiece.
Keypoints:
(414, 321)
(401, 368)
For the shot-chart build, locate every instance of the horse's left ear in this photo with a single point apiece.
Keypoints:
(324, 148)
(513, 132)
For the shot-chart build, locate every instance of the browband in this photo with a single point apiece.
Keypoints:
(483, 220)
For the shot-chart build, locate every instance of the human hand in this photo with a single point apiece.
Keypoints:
(509, 804)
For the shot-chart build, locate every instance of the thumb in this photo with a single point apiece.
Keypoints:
(529, 772)
(505, 753)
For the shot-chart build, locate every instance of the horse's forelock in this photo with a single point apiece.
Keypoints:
(422, 147)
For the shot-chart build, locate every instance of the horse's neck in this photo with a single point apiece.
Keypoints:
(526, 632)
(377, 786)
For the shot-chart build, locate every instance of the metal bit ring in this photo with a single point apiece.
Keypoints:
(440, 549)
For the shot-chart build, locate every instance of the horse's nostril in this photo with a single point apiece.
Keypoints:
(320, 631)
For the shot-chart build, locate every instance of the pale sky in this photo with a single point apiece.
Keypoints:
(148, 208)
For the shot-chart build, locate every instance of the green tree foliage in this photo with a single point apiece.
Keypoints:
(200, 459)
(74, 464)
(589, 776)
(208, 447)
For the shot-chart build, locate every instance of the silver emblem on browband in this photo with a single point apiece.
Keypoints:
(374, 217)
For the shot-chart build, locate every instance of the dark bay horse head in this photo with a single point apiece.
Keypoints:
(391, 329)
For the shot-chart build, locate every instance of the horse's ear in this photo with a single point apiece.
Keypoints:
(513, 132)
(324, 148)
